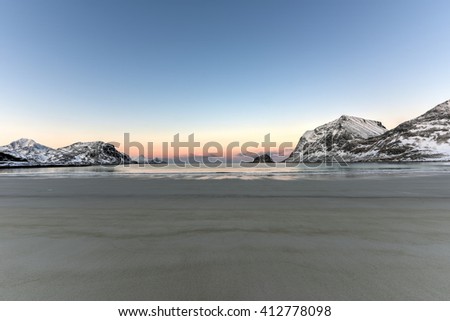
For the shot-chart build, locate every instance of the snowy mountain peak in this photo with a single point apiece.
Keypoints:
(426, 137)
(35, 154)
(345, 118)
(441, 109)
(364, 127)
(333, 136)
(26, 143)
(86, 144)
(354, 139)
(359, 127)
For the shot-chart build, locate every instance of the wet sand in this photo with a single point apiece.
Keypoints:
(118, 238)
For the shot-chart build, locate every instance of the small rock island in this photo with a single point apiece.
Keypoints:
(265, 158)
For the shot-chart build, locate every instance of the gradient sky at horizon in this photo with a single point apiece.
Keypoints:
(225, 70)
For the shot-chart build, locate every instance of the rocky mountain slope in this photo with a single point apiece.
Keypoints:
(331, 141)
(26, 152)
(348, 139)
(352, 139)
(425, 138)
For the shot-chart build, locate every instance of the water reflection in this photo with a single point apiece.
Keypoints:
(274, 171)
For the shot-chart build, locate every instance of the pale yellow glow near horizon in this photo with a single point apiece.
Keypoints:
(57, 137)
(290, 131)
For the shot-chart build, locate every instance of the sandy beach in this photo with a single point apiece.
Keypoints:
(119, 238)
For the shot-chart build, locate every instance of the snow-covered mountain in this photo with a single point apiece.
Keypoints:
(4, 158)
(335, 139)
(425, 138)
(26, 152)
(352, 139)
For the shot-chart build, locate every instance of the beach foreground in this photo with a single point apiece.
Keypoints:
(119, 238)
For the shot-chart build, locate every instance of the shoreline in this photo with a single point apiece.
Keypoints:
(254, 172)
(119, 238)
(246, 164)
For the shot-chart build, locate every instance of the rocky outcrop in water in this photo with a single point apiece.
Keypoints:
(265, 158)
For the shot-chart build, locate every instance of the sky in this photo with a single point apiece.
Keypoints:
(76, 70)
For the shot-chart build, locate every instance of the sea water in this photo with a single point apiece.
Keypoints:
(279, 171)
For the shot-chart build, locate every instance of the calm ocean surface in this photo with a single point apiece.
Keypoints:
(235, 171)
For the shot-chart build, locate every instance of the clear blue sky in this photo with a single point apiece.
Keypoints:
(225, 70)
